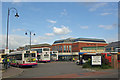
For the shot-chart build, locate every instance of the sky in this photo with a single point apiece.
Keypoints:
(52, 21)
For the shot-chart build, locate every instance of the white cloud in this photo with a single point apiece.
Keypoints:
(64, 12)
(16, 41)
(96, 6)
(49, 34)
(84, 27)
(62, 30)
(104, 14)
(108, 27)
(51, 21)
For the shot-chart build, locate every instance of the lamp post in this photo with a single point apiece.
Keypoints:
(16, 15)
(30, 33)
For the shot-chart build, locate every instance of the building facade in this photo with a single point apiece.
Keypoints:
(113, 47)
(69, 48)
(27, 47)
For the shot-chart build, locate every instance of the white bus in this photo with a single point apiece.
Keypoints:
(23, 58)
(54, 55)
(43, 54)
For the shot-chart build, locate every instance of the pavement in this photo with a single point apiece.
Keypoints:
(65, 70)
(12, 71)
(58, 70)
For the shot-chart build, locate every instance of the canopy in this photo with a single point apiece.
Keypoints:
(86, 53)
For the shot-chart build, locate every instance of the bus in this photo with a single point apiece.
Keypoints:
(43, 54)
(23, 58)
(54, 55)
(2, 55)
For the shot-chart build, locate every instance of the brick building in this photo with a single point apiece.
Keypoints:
(70, 47)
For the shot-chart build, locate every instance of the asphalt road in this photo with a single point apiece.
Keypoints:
(63, 70)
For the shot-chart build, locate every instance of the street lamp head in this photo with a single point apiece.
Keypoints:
(26, 33)
(16, 15)
(34, 34)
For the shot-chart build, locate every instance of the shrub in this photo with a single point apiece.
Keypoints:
(87, 64)
(105, 66)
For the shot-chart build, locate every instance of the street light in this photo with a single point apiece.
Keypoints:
(16, 15)
(30, 37)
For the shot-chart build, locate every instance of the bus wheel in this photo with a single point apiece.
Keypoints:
(18, 65)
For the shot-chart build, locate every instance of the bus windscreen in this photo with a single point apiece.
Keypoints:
(46, 49)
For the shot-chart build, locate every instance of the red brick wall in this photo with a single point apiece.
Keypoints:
(67, 44)
(77, 46)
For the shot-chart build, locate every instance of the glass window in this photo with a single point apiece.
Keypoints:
(86, 57)
(19, 57)
(59, 48)
(3, 56)
(38, 50)
(54, 55)
(118, 50)
(27, 51)
(67, 48)
(54, 52)
(38, 56)
(55, 47)
(70, 48)
(45, 49)
(50, 52)
(64, 48)
(33, 54)
(26, 55)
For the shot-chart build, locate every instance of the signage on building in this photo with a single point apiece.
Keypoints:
(96, 60)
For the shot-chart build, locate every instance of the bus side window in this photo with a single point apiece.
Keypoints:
(19, 57)
(33, 54)
(26, 55)
(38, 56)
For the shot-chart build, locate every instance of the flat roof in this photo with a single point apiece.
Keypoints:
(72, 40)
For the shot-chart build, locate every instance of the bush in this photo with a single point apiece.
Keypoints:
(87, 64)
(103, 66)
